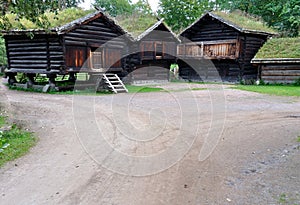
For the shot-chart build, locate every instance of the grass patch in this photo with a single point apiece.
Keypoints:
(245, 21)
(2, 121)
(142, 89)
(14, 143)
(136, 23)
(279, 90)
(280, 48)
(282, 199)
(131, 89)
(298, 139)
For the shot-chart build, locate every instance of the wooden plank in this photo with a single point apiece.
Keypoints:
(280, 73)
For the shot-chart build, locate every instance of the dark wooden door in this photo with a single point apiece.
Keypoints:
(113, 58)
(75, 56)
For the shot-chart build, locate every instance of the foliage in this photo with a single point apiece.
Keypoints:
(283, 199)
(298, 139)
(178, 14)
(282, 15)
(14, 143)
(142, 7)
(33, 11)
(136, 23)
(3, 60)
(297, 82)
(280, 48)
(279, 90)
(124, 7)
(115, 7)
(245, 21)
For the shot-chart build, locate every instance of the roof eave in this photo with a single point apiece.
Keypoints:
(28, 31)
(275, 60)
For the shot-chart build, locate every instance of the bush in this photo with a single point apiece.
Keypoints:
(297, 82)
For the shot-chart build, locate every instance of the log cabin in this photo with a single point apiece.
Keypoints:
(278, 61)
(92, 44)
(152, 54)
(214, 43)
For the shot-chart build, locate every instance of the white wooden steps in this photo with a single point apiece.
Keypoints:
(114, 83)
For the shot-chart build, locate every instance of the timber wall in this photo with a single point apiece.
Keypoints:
(280, 72)
(209, 29)
(41, 54)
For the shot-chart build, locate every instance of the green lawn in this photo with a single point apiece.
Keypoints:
(142, 89)
(279, 90)
(14, 143)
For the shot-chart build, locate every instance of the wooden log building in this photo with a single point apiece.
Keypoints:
(67, 50)
(278, 61)
(152, 54)
(213, 41)
(278, 70)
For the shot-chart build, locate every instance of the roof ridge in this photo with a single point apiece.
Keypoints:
(153, 27)
(227, 22)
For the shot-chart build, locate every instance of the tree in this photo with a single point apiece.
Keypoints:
(283, 15)
(178, 14)
(115, 7)
(143, 7)
(32, 10)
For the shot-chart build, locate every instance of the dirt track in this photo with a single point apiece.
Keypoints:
(256, 160)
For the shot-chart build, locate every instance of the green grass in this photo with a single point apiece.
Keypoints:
(245, 21)
(131, 89)
(142, 89)
(282, 199)
(279, 90)
(2, 121)
(136, 24)
(298, 139)
(280, 48)
(14, 143)
(61, 18)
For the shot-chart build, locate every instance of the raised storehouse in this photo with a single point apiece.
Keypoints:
(278, 61)
(88, 44)
(225, 41)
(152, 54)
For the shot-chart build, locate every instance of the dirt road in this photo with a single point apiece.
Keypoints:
(145, 148)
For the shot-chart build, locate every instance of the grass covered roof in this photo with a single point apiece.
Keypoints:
(136, 24)
(56, 20)
(280, 48)
(245, 21)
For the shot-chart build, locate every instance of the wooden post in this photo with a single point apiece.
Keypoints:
(12, 78)
(30, 77)
(51, 80)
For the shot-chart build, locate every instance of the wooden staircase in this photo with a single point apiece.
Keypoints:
(113, 83)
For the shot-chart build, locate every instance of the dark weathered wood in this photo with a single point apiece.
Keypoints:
(216, 40)
(279, 72)
(47, 53)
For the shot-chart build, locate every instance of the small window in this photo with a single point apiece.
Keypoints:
(159, 50)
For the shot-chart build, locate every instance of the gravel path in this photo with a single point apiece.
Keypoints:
(145, 148)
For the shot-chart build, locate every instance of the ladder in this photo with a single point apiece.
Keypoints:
(114, 83)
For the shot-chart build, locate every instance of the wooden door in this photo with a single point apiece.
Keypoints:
(112, 58)
(75, 56)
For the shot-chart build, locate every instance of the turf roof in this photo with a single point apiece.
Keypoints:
(245, 21)
(280, 48)
(136, 24)
(63, 17)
